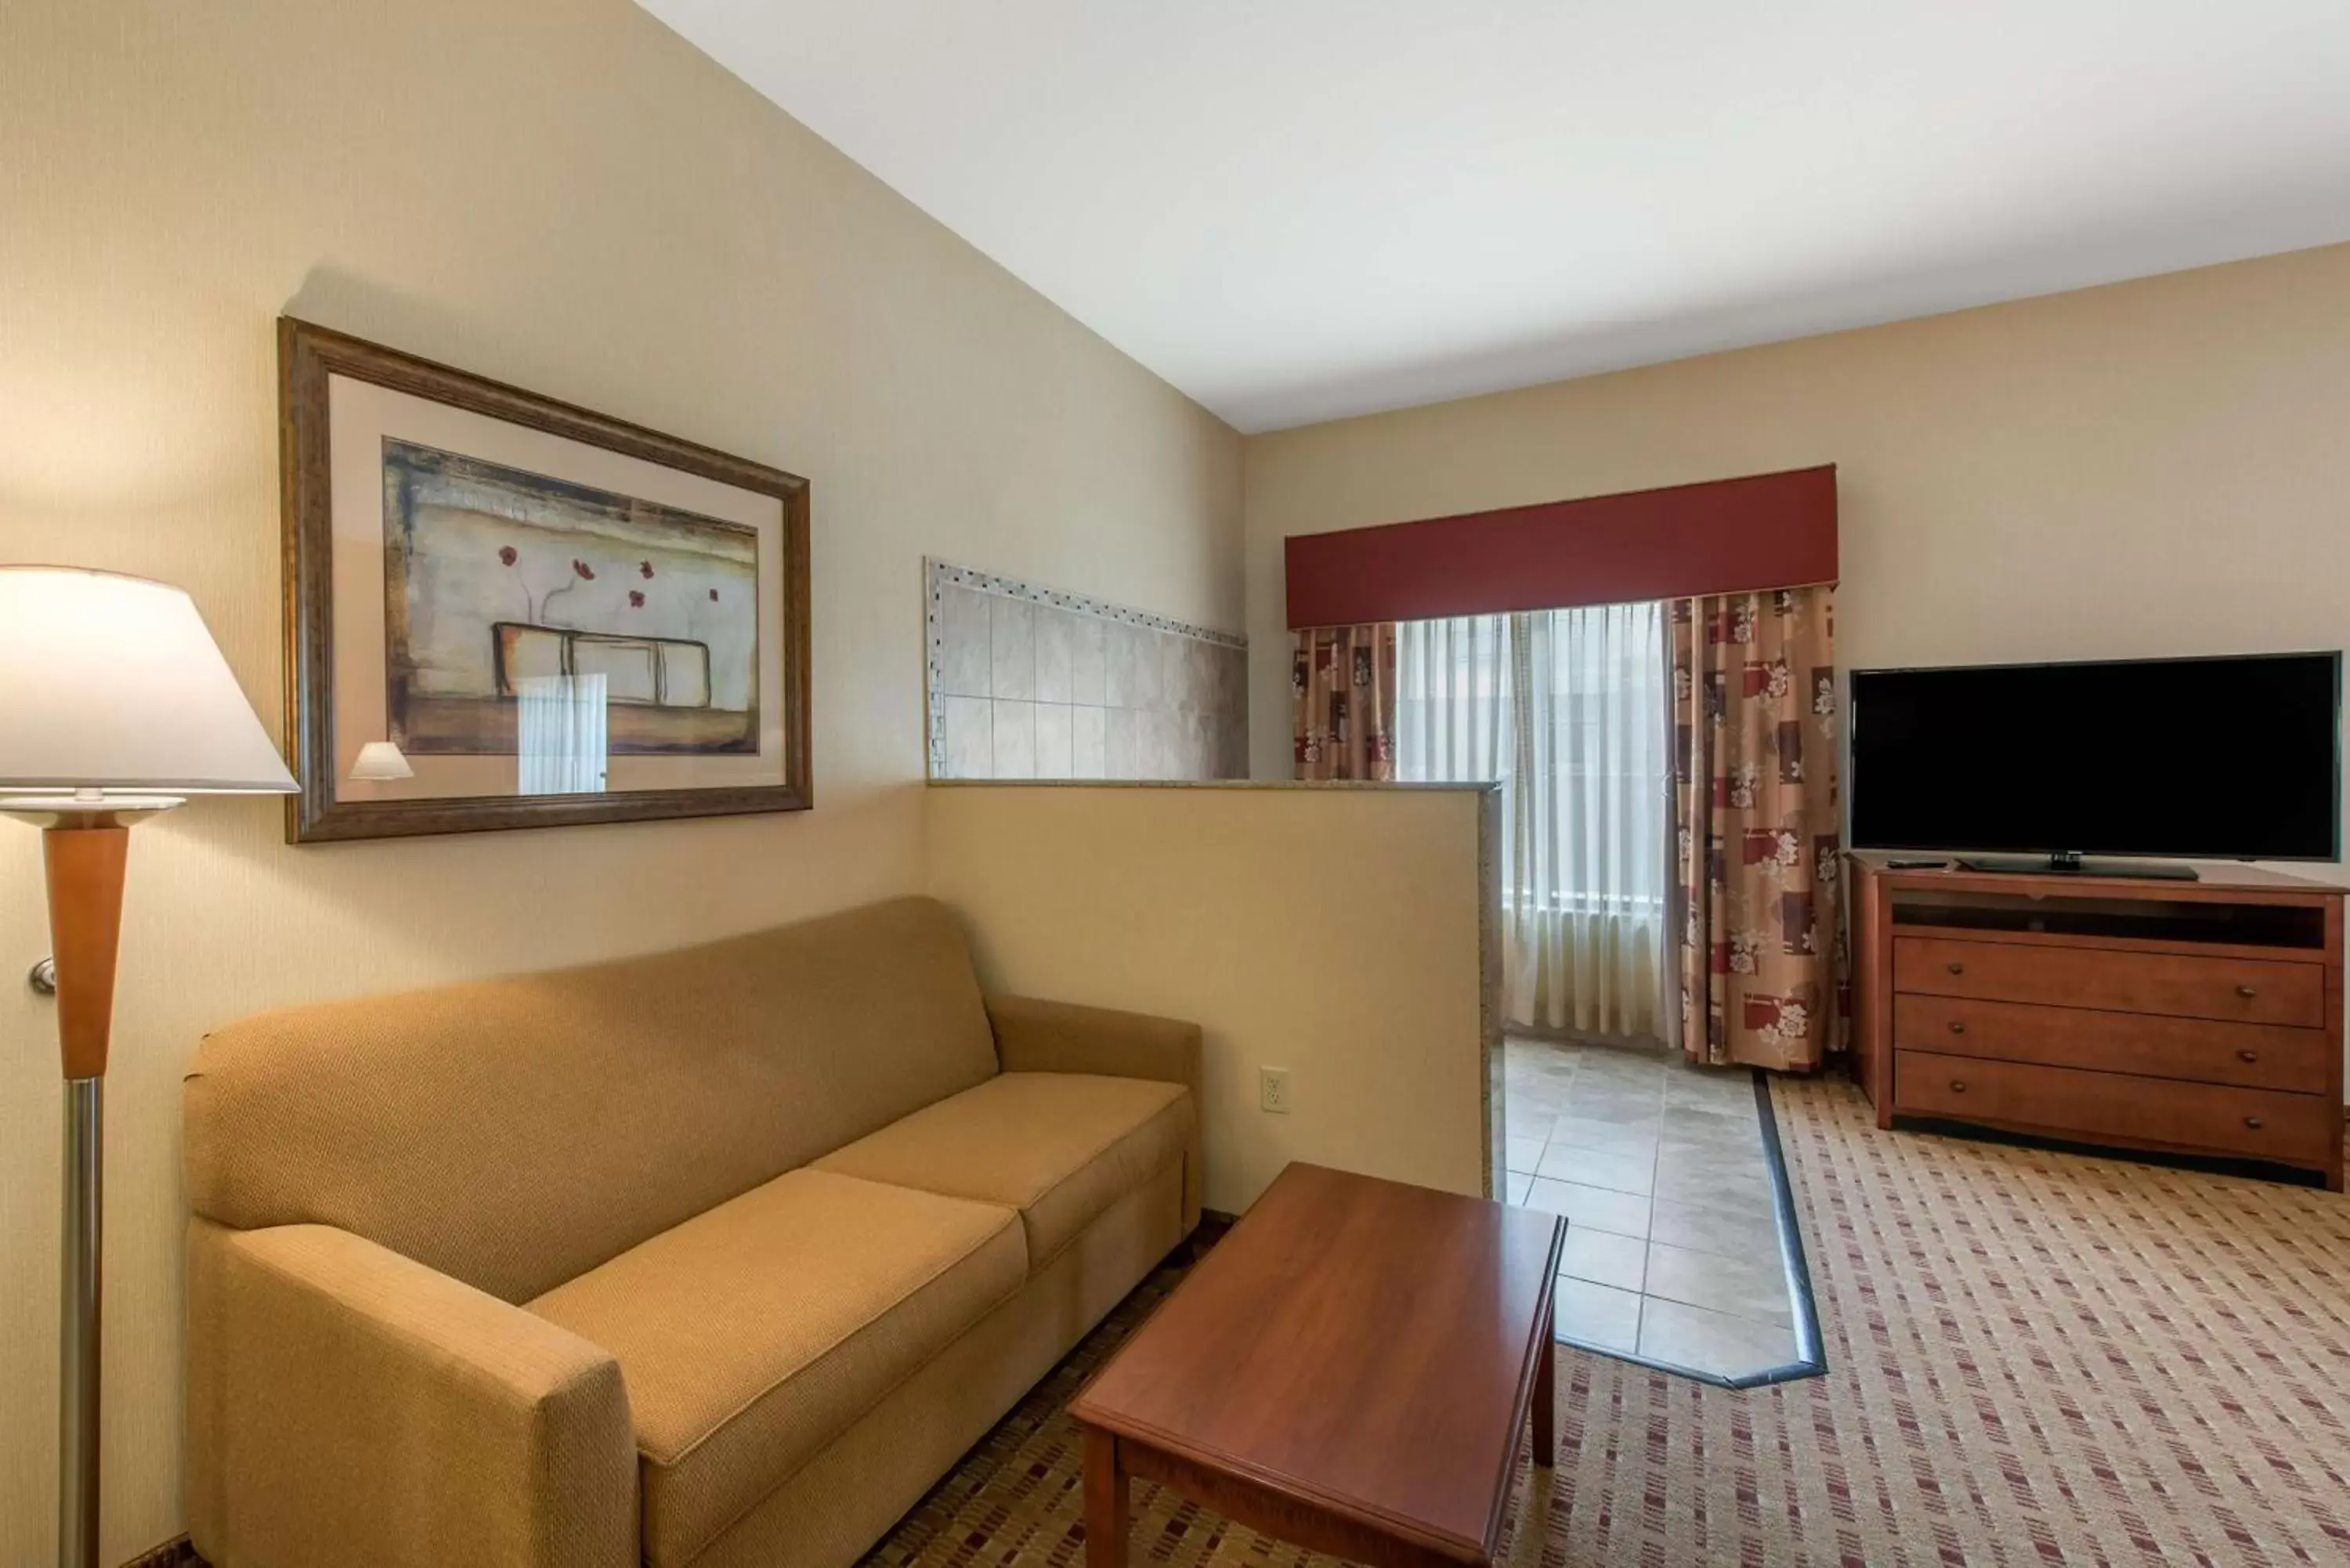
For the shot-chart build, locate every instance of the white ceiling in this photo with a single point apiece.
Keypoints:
(1296, 209)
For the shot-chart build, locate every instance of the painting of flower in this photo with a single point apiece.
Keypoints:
(505, 580)
(555, 616)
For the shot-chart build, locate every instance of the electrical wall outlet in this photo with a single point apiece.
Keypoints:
(1273, 1089)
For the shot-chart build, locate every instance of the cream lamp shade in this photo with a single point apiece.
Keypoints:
(380, 761)
(113, 692)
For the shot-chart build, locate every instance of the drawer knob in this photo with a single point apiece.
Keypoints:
(1958, 1086)
(1957, 968)
(2247, 1056)
(2248, 990)
(1958, 1026)
(2253, 1123)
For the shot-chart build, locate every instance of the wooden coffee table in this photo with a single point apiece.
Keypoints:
(1348, 1370)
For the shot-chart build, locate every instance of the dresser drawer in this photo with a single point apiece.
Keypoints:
(2240, 991)
(2257, 1055)
(2260, 1124)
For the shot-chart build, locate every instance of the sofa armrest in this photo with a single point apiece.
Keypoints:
(1037, 1036)
(348, 1404)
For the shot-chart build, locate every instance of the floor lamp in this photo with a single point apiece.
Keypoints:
(115, 704)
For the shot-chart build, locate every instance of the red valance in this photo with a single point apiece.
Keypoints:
(1727, 535)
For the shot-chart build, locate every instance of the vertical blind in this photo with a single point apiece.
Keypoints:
(1566, 710)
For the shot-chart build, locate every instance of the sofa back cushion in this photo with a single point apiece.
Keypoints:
(515, 1133)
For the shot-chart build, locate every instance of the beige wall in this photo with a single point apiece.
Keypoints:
(2159, 467)
(562, 194)
(1330, 932)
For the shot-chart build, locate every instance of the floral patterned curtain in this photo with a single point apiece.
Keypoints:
(1756, 827)
(1342, 702)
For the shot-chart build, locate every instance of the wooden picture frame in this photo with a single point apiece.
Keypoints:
(734, 737)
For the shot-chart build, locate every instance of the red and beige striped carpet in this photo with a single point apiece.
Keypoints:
(2033, 1358)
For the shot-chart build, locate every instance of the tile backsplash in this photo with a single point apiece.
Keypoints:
(1026, 681)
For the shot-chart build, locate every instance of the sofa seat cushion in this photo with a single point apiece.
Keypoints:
(751, 1336)
(1061, 1148)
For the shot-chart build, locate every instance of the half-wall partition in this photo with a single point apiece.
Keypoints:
(1341, 935)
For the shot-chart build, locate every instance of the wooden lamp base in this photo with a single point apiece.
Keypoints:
(86, 852)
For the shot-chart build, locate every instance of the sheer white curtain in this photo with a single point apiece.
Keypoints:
(559, 734)
(1568, 709)
(1452, 698)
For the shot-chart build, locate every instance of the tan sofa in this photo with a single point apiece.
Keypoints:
(721, 1256)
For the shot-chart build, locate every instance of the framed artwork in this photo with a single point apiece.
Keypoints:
(504, 611)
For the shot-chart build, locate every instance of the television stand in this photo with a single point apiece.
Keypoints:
(2069, 863)
(2201, 1018)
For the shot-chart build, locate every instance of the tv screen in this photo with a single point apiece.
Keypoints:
(2217, 759)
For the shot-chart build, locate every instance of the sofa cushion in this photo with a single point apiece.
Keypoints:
(751, 1336)
(1059, 1146)
(516, 1133)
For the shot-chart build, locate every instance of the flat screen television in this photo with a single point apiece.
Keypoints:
(2215, 759)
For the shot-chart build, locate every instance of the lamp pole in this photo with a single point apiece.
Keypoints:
(78, 1368)
(86, 852)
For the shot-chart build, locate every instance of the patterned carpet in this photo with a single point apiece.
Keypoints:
(2033, 1358)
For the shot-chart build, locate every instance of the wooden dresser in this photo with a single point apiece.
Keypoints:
(2193, 1017)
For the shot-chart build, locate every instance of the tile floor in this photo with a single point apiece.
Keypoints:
(1672, 1246)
